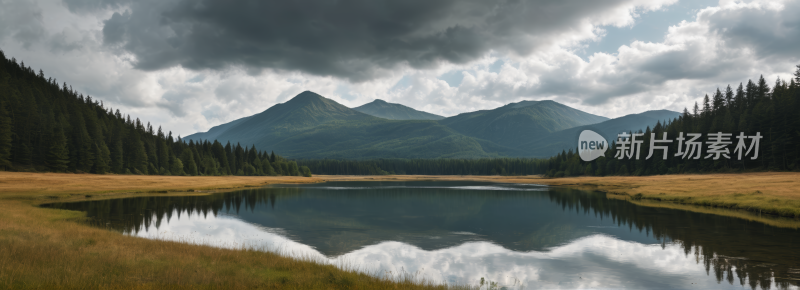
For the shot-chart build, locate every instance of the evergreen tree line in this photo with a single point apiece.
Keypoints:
(45, 126)
(751, 108)
(486, 166)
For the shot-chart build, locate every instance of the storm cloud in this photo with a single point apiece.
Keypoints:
(357, 40)
(191, 65)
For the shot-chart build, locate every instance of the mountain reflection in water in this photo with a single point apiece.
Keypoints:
(458, 232)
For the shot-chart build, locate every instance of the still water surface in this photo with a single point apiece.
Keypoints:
(459, 232)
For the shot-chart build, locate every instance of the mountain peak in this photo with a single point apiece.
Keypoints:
(527, 103)
(383, 109)
(518, 123)
(306, 96)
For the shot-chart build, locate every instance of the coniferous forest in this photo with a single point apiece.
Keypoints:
(45, 126)
(765, 114)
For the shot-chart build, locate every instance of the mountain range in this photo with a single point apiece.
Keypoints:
(310, 126)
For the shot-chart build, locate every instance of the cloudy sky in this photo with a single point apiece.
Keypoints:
(189, 65)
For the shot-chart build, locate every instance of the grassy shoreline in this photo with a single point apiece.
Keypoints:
(768, 193)
(47, 248)
(52, 249)
(746, 195)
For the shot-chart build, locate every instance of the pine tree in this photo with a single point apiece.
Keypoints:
(231, 158)
(739, 99)
(187, 158)
(176, 166)
(718, 102)
(83, 147)
(162, 149)
(58, 154)
(762, 90)
(117, 163)
(728, 96)
(284, 168)
(268, 170)
(5, 136)
(293, 170)
(252, 154)
(797, 75)
(221, 156)
(139, 156)
(103, 158)
(706, 106)
(258, 166)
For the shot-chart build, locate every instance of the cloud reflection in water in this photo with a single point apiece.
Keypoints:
(596, 261)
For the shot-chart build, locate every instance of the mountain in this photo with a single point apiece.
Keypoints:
(312, 126)
(382, 109)
(553, 143)
(305, 110)
(521, 122)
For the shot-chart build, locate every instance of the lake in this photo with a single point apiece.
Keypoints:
(519, 235)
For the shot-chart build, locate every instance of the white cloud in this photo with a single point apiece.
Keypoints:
(722, 45)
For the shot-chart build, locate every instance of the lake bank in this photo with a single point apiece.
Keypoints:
(754, 196)
(771, 193)
(44, 247)
(48, 248)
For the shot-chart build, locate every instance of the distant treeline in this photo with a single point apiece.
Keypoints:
(493, 166)
(48, 127)
(754, 109)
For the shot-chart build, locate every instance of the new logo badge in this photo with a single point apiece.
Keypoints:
(591, 145)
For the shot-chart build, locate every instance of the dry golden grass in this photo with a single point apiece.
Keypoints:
(51, 249)
(34, 185)
(774, 193)
(48, 248)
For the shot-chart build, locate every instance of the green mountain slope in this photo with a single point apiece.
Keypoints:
(304, 111)
(519, 123)
(311, 126)
(384, 139)
(391, 111)
(553, 143)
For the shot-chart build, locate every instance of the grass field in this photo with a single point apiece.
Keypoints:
(48, 248)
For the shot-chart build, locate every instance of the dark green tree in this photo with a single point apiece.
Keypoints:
(58, 154)
(5, 136)
(189, 166)
(103, 158)
(306, 171)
